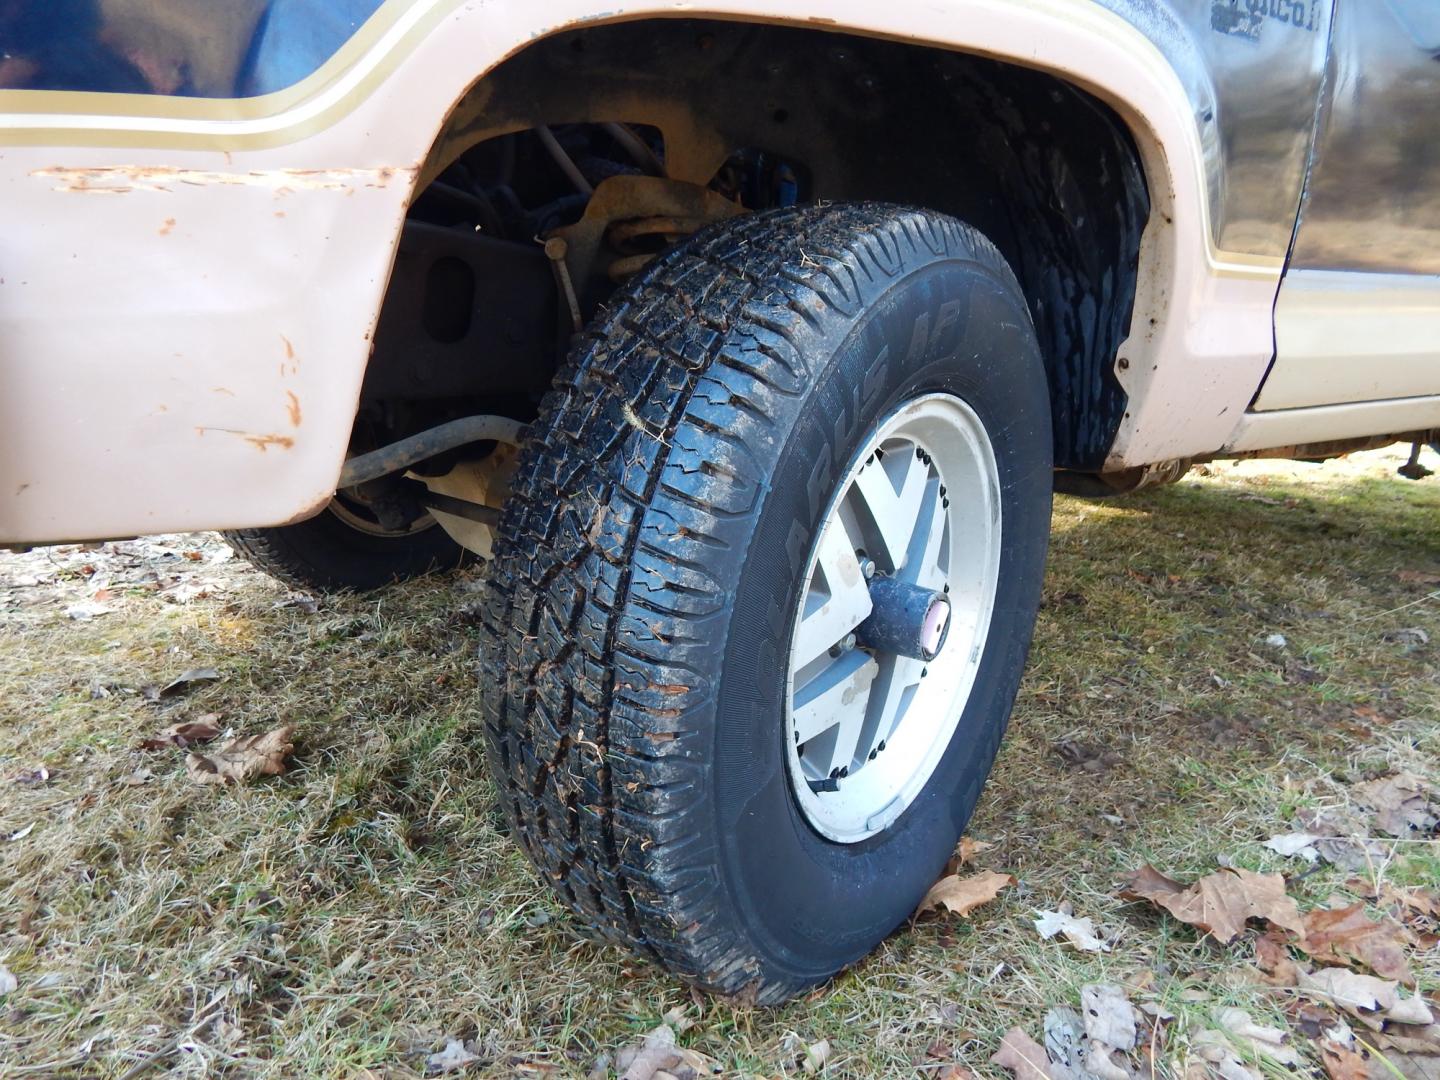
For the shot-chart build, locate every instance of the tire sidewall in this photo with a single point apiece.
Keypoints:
(806, 904)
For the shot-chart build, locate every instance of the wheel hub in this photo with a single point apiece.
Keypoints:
(904, 619)
(892, 618)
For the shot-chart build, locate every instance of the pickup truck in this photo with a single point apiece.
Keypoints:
(745, 342)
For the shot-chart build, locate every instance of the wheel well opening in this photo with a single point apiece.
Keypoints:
(763, 115)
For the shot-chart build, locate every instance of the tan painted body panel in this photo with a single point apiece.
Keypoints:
(1346, 337)
(185, 320)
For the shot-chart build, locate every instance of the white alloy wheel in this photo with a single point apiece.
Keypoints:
(918, 509)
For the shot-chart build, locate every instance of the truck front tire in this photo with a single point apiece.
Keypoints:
(701, 732)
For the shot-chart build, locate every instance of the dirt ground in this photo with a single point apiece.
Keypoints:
(1214, 662)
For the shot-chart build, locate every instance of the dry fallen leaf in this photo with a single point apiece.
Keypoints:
(1342, 1063)
(451, 1059)
(1410, 1038)
(1273, 960)
(1219, 903)
(1079, 932)
(1262, 1041)
(1343, 935)
(186, 733)
(816, 1055)
(966, 852)
(1109, 1016)
(1112, 1028)
(1295, 843)
(1216, 1048)
(243, 759)
(654, 1053)
(1370, 1000)
(1065, 1040)
(1343, 839)
(1024, 1057)
(1416, 906)
(960, 896)
(657, 1055)
(1401, 804)
(187, 679)
(1418, 577)
(1408, 1066)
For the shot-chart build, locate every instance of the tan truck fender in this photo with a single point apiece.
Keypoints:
(190, 286)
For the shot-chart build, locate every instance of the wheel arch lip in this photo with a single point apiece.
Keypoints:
(354, 121)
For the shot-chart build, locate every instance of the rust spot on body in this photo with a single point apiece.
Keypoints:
(118, 179)
(260, 442)
(292, 406)
(169, 224)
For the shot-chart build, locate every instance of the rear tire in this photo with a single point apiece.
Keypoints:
(650, 575)
(334, 550)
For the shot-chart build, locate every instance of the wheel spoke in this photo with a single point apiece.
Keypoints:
(838, 692)
(835, 608)
(925, 559)
(897, 676)
(893, 507)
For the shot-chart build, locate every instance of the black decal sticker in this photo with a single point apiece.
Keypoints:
(1244, 18)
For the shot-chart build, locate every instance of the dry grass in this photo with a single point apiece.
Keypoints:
(343, 919)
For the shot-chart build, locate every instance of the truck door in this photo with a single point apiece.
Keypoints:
(1358, 315)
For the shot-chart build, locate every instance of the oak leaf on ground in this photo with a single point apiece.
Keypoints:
(968, 849)
(1342, 839)
(1024, 1057)
(1215, 1047)
(1401, 804)
(1347, 1056)
(243, 759)
(1372, 1001)
(1219, 903)
(1345, 935)
(960, 896)
(1341, 1062)
(1273, 959)
(1260, 1039)
(1079, 932)
(184, 734)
